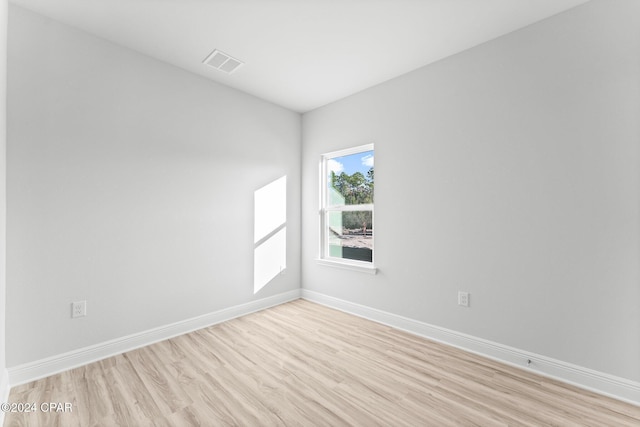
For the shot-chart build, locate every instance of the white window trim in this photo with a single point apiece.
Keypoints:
(324, 258)
(345, 265)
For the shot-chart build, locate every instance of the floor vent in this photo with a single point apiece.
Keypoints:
(222, 62)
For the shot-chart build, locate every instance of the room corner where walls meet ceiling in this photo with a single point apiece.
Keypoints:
(304, 54)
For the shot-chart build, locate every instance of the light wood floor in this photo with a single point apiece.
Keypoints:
(302, 364)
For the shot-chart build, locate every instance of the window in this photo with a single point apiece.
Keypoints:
(347, 207)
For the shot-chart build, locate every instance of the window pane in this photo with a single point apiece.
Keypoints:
(350, 179)
(350, 235)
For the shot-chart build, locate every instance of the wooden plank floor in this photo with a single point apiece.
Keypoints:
(302, 364)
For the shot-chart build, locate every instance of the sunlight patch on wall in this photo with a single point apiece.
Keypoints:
(269, 232)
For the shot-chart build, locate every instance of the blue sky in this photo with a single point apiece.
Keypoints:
(359, 162)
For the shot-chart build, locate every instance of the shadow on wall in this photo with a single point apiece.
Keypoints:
(269, 232)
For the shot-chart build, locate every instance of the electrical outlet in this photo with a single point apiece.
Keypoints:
(78, 309)
(463, 298)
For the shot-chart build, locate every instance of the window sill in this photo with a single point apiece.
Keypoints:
(369, 269)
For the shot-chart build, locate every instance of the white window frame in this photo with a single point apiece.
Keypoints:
(325, 258)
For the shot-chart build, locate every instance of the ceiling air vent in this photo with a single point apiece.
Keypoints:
(223, 62)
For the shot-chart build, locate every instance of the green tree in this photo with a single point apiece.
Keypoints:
(356, 189)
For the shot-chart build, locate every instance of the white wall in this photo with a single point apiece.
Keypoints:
(4, 379)
(510, 171)
(130, 185)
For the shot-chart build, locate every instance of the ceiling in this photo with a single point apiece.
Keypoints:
(300, 54)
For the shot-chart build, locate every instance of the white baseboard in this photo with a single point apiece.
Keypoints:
(28, 372)
(609, 385)
(601, 383)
